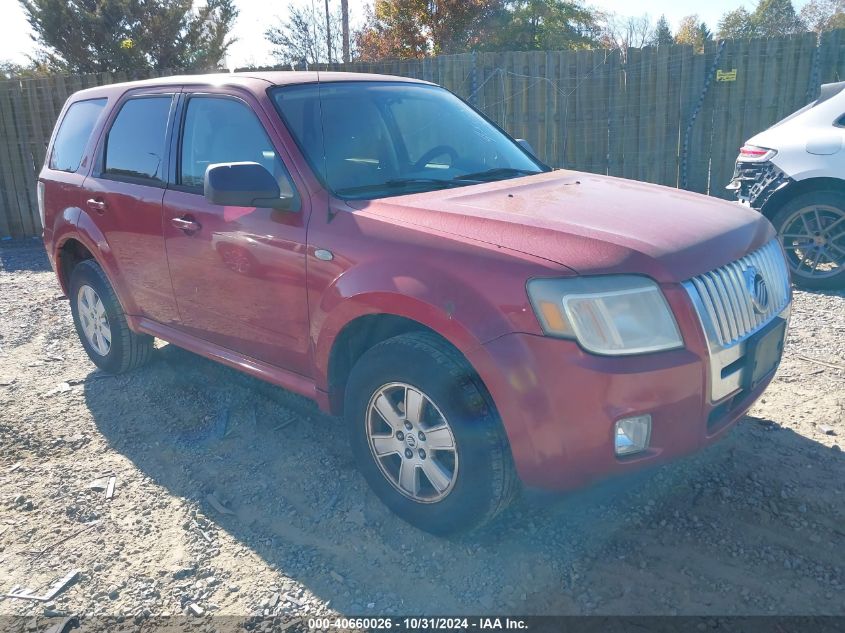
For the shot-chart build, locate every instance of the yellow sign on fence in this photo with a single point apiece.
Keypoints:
(726, 75)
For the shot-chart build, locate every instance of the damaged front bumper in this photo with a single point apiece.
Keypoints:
(756, 182)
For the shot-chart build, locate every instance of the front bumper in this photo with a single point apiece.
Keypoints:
(755, 183)
(559, 405)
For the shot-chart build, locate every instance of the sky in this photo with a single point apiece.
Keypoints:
(256, 15)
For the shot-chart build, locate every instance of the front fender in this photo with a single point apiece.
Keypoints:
(456, 311)
(452, 308)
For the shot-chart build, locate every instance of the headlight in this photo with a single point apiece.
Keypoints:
(612, 315)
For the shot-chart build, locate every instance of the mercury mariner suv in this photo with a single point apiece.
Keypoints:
(374, 243)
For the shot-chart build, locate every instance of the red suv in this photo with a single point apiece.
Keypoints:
(376, 244)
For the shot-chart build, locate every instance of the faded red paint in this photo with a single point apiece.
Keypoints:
(247, 290)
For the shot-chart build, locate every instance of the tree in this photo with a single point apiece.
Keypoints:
(824, 15)
(704, 34)
(130, 35)
(774, 18)
(416, 28)
(624, 32)
(662, 33)
(344, 19)
(687, 31)
(693, 33)
(393, 29)
(531, 25)
(736, 25)
(10, 70)
(303, 37)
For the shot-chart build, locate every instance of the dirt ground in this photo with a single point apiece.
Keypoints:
(240, 498)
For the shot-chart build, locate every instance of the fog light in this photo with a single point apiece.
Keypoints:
(632, 434)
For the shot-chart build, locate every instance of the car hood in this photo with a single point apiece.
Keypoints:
(591, 224)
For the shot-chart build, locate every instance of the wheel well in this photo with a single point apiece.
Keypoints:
(70, 254)
(358, 336)
(795, 189)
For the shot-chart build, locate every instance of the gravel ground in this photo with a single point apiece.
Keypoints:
(242, 499)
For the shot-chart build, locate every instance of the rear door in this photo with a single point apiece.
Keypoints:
(238, 273)
(124, 194)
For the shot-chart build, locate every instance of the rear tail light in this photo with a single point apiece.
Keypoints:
(40, 196)
(754, 154)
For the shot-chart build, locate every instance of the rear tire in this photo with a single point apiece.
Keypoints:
(811, 228)
(101, 323)
(459, 454)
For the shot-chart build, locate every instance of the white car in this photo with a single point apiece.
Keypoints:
(794, 173)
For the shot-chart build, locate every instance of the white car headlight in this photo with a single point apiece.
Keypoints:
(611, 315)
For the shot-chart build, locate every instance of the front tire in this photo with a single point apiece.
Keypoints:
(811, 228)
(426, 435)
(101, 323)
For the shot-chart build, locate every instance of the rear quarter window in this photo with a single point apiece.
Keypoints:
(74, 132)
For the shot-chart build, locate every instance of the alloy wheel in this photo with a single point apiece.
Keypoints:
(814, 240)
(94, 320)
(412, 442)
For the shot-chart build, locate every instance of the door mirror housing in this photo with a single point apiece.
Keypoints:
(526, 146)
(245, 184)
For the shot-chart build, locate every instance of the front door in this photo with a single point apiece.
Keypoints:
(238, 273)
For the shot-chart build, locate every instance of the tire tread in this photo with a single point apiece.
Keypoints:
(137, 348)
(505, 481)
(779, 216)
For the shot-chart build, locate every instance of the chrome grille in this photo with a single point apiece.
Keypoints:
(724, 297)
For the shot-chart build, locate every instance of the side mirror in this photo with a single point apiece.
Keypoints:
(244, 185)
(526, 146)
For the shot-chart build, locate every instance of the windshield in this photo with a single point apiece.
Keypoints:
(390, 138)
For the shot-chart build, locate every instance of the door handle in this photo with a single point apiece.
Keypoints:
(97, 205)
(186, 224)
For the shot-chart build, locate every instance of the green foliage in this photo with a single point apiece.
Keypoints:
(416, 28)
(662, 33)
(692, 32)
(532, 25)
(773, 18)
(736, 25)
(130, 35)
(10, 69)
(770, 18)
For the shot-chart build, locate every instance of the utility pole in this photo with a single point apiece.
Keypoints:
(328, 32)
(344, 10)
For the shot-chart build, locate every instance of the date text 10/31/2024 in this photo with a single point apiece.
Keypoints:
(416, 624)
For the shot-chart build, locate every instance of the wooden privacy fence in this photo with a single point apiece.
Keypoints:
(665, 115)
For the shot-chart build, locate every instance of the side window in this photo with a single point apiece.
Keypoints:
(136, 141)
(223, 130)
(73, 134)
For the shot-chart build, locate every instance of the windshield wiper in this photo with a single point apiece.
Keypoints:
(396, 183)
(496, 173)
